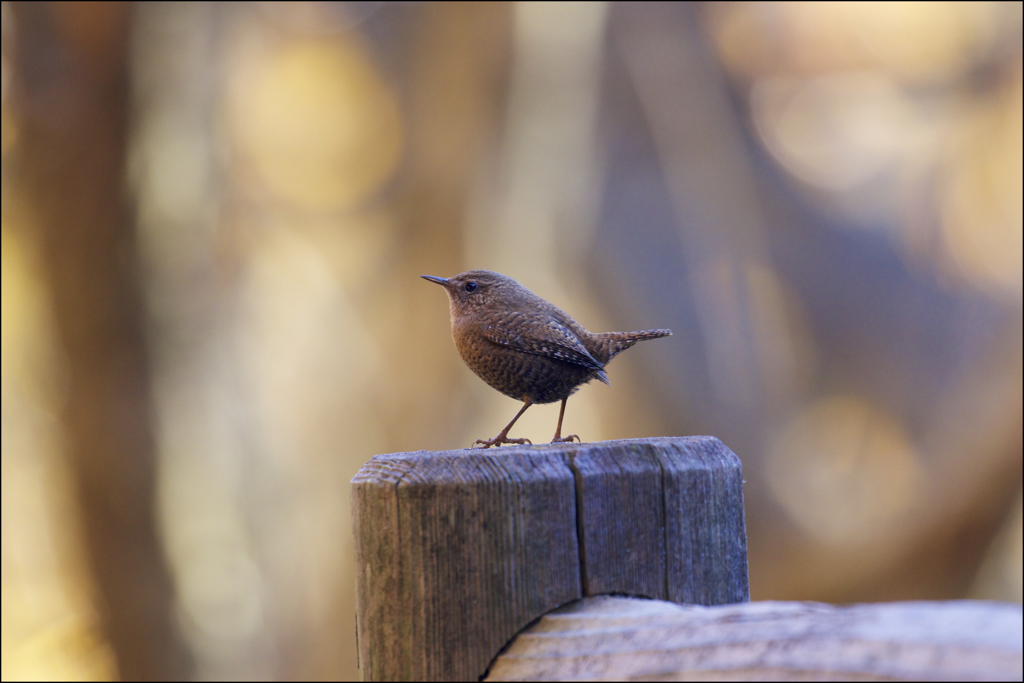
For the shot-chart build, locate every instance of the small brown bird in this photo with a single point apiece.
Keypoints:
(525, 347)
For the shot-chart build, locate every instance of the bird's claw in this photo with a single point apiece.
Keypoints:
(566, 439)
(498, 441)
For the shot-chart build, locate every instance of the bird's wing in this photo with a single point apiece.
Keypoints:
(549, 338)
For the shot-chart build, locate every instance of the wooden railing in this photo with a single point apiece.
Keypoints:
(461, 553)
(620, 638)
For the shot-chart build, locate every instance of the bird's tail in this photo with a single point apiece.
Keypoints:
(607, 345)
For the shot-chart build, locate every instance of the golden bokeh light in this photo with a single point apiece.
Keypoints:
(836, 132)
(915, 41)
(318, 124)
(844, 471)
(51, 626)
(869, 106)
(918, 41)
(983, 206)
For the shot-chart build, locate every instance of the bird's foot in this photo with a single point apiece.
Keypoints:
(566, 439)
(498, 440)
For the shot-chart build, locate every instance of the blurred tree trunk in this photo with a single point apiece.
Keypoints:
(73, 60)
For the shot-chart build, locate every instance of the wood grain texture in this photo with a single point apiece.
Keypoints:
(705, 534)
(458, 551)
(662, 518)
(631, 639)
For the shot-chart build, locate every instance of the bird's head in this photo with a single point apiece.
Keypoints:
(474, 289)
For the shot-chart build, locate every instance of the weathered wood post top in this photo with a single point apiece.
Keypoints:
(458, 551)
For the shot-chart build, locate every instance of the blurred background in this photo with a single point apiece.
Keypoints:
(214, 220)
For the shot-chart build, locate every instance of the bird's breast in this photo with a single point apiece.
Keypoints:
(516, 373)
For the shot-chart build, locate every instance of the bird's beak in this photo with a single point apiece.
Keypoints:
(433, 278)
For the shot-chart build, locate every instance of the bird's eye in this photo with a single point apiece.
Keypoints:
(470, 286)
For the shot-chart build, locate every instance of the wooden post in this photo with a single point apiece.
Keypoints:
(457, 551)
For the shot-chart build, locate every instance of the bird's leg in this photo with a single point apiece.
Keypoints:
(558, 430)
(502, 437)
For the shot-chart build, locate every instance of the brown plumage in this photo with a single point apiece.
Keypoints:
(524, 346)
